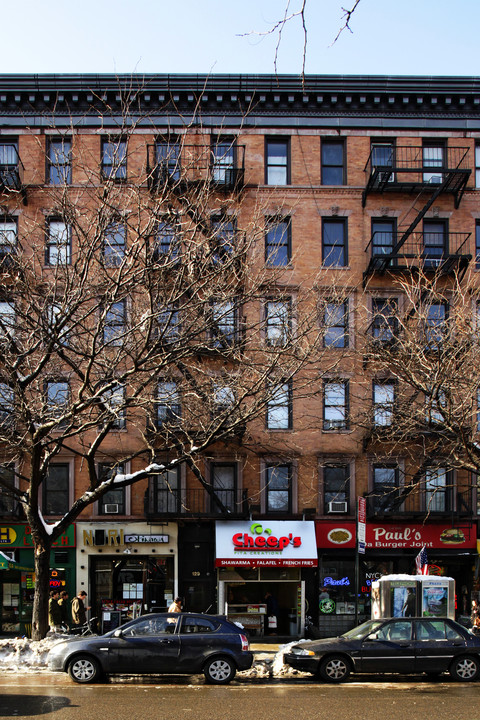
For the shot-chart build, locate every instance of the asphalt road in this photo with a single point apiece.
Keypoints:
(55, 696)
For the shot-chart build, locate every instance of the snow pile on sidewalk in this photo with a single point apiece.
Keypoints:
(22, 655)
(25, 655)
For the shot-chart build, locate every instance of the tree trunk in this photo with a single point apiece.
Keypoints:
(42, 587)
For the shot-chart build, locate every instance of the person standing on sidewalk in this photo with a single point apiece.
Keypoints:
(54, 612)
(79, 611)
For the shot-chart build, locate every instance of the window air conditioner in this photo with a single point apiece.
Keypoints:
(337, 507)
(435, 179)
(110, 508)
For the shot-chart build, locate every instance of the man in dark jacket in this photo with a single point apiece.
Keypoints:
(79, 611)
(64, 608)
(54, 613)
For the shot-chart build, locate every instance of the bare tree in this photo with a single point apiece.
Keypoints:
(138, 300)
(421, 351)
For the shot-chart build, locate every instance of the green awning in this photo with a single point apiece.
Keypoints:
(7, 564)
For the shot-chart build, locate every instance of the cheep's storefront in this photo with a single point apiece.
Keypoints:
(17, 577)
(265, 565)
(126, 569)
(345, 578)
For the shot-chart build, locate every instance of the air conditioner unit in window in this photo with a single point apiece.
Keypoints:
(337, 507)
(110, 508)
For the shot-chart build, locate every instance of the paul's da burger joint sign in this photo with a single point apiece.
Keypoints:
(266, 544)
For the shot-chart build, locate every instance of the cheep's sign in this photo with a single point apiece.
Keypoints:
(277, 543)
(431, 535)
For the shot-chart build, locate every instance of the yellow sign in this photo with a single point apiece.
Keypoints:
(7, 536)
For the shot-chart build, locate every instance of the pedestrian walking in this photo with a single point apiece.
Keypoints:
(64, 609)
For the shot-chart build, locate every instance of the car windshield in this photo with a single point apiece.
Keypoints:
(362, 630)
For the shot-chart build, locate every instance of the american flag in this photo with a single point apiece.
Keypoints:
(421, 561)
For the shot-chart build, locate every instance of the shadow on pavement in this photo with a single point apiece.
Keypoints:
(22, 705)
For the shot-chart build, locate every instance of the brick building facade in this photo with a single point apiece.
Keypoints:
(365, 177)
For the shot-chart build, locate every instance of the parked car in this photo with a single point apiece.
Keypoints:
(392, 645)
(155, 644)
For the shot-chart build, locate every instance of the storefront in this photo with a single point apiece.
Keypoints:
(126, 569)
(345, 577)
(18, 578)
(262, 570)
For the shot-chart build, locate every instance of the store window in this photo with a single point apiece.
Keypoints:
(124, 585)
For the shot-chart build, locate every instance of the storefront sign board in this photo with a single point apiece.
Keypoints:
(276, 543)
(415, 535)
(336, 535)
(20, 536)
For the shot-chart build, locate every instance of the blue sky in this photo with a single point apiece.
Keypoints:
(392, 37)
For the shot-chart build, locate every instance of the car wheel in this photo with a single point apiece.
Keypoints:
(335, 668)
(219, 671)
(465, 668)
(84, 669)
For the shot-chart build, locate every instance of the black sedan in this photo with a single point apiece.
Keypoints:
(392, 645)
(173, 644)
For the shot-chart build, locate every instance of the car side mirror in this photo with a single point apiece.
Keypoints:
(373, 636)
(118, 633)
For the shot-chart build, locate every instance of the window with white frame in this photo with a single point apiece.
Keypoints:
(383, 402)
(114, 406)
(114, 244)
(115, 323)
(59, 166)
(335, 405)
(279, 406)
(277, 161)
(59, 243)
(114, 159)
(168, 403)
(438, 489)
(278, 322)
(8, 237)
(224, 325)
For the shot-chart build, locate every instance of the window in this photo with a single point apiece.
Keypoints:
(278, 322)
(384, 323)
(434, 243)
(168, 403)
(278, 243)
(335, 405)
(59, 243)
(114, 244)
(477, 165)
(166, 491)
(435, 405)
(224, 483)
(334, 243)
(382, 159)
(168, 324)
(223, 161)
(279, 407)
(437, 489)
(336, 487)
(278, 487)
(224, 327)
(7, 400)
(166, 241)
(59, 161)
(10, 165)
(433, 162)
(8, 503)
(335, 319)
(114, 408)
(224, 233)
(7, 319)
(114, 159)
(223, 397)
(383, 237)
(58, 399)
(385, 495)
(383, 402)
(277, 162)
(115, 323)
(333, 162)
(167, 155)
(56, 328)
(56, 490)
(477, 245)
(8, 237)
(113, 501)
(436, 316)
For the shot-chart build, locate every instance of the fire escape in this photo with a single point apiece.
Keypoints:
(423, 172)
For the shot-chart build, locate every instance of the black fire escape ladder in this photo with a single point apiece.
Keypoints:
(421, 214)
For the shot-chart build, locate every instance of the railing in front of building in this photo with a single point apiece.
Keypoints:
(181, 165)
(195, 502)
(416, 502)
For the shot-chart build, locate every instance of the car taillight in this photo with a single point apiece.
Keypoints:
(245, 643)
